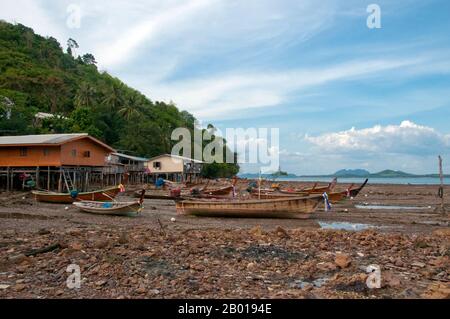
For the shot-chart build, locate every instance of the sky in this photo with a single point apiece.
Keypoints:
(342, 95)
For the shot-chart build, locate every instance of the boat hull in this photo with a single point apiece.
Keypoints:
(65, 198)
(119, 208)
(297, 207)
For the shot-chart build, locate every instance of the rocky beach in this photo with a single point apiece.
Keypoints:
(160, 254)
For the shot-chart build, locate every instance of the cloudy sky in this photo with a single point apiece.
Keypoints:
(341, 94)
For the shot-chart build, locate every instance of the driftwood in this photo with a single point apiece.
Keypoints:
(42, 250)
(161, 227)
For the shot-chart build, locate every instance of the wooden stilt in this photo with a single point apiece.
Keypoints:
(37, 178)
(8, 180)
(441, 188)
(60, 181)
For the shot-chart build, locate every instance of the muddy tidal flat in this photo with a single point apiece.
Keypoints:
(153, 256)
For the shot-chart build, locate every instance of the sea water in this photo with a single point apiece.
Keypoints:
(357, 180)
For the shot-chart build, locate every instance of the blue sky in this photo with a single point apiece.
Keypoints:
(342, 95)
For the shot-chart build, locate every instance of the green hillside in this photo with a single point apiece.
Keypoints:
(37, 75)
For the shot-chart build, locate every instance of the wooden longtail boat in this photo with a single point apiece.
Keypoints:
(296, 191)
(295, 207)
(313, 190)
(226, 190)
(63, 198)
(351, 192)
(111, 208)
(219, 191)
(333, 197)
(157, 194)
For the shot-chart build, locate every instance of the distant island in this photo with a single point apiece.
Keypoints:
(348, 173)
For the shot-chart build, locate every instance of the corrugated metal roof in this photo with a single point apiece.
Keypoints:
(39, 139)
(133, 158)
(179, 157)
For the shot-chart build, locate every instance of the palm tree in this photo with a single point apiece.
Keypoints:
(85, 96)
(113, 98)
(132, 107)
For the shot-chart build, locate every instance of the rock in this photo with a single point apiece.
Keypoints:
(76, 246)
(256, 231)
(18, 259)
(100, 244)
(421, 244)
(100, 283)
(326, 266)
(74, 232)
(141, 290)
(250, 266)
(389, 279)
(43, 231)
(418, 264)
(19, 287)
(342, 260)
(281, 232)
(437, 290)
(398, 262)
(2, 287)
(59, 292)
(155, 292)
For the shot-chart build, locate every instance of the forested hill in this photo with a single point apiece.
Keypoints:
(38, 75)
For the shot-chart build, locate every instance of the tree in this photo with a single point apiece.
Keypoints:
(88, 59)
(132, 107)
(85, 95)
(113, 99)
(6, 106)
(71, 44)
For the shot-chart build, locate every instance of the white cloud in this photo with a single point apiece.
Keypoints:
(124, 46)
(220, 96)
(406, 138)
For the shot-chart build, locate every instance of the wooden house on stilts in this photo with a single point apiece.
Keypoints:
(57, 162)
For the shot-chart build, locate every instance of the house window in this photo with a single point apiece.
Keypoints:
(87, 154)
(74, 153)
(23, 151)
(156, 164)
(46, 151)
